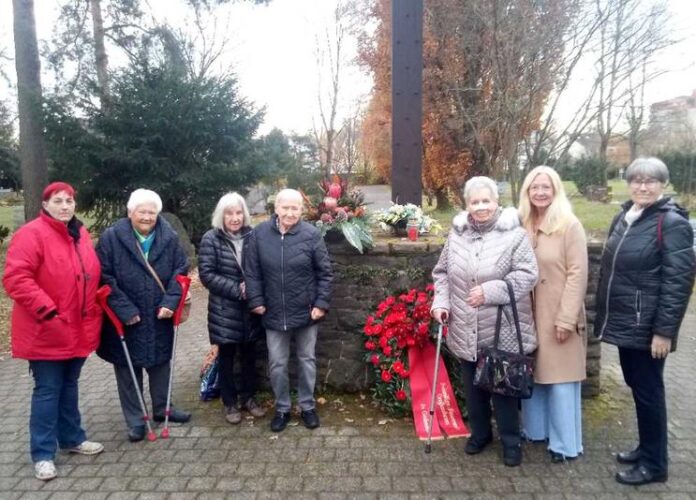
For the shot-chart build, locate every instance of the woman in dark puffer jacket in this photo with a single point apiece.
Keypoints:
(230, 325)
(646, 277)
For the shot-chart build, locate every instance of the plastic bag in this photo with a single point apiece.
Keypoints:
(210, 383)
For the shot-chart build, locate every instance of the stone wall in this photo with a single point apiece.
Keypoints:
(362, 281)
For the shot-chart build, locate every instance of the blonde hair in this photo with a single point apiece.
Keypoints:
(560, 211)
(227, 201)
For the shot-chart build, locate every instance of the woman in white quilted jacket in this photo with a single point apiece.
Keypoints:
(486, 248)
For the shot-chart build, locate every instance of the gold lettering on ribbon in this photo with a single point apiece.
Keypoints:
(444, 403)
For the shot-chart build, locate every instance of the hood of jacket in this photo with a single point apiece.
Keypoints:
(508, 219)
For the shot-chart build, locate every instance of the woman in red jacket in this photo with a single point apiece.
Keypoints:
(52, 274)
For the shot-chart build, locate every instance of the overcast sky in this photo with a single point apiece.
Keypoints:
(272, 49)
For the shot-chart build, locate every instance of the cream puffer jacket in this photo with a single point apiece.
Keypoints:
(490, 258)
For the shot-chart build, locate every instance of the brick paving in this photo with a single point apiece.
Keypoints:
(209, 458)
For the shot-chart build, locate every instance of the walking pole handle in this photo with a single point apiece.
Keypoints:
(185, 283)
(102, 296)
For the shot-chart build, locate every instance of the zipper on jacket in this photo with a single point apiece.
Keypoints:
(638, 304)
(611, 278)
(282, 280)
(84, 280)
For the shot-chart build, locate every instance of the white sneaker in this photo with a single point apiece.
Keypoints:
(45, 470)
(87, 448)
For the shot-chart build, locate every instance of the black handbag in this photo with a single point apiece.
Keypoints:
(502, 372)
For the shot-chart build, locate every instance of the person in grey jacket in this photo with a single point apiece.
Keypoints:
(230, 324)
(288, 283)
(486, 248)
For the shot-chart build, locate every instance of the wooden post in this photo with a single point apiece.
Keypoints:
(407, 101)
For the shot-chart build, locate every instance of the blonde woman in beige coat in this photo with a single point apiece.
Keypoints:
(554, 411)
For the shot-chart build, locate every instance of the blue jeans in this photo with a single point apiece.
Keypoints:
(55, 416)
(278, 343)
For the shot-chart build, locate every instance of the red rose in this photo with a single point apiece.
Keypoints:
(400, 395)
(374, 359)
(370, 346)
(398, 367)
(386, 376)
(387, 350)
(429, 287)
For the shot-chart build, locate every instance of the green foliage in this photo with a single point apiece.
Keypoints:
(10, 175)
(586, 172)
(190, 139)
(4, 233)
(682, 170)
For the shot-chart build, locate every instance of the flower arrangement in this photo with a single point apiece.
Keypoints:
(401, 321)
(397, 216)
(340, 210)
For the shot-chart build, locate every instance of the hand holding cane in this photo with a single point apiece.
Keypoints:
(441, 331)
(102, 296)
(185, 283)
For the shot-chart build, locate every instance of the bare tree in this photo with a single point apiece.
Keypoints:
(29, 98)
(628, 42)
(331, 61)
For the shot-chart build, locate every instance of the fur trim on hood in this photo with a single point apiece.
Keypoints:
(509, 219)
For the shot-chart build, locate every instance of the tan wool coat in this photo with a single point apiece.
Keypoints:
(559, 300)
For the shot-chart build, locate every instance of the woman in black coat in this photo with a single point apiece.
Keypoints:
(144, 303)
(230, 325)
(646, 278)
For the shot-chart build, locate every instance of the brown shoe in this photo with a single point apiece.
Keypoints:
(232, 414)
(253, 407)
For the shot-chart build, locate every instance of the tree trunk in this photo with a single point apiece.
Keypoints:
(100, 56)
(603, 146)
(32, 150)
(442, 199)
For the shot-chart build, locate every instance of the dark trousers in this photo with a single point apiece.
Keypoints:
(643, 374)
(478, 405)
(230, 393)
(55, 416)
(158, 379)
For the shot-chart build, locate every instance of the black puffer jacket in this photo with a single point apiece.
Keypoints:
(645, 282)
(229, 320)
(288, 274)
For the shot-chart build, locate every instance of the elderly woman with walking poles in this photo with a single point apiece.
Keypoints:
(230, 324)
(52, 275)
(646, 279)
(288, 283)
(554, 412)
(141, 258)
(486, 250)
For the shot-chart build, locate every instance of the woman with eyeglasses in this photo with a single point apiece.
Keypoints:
(646, 278)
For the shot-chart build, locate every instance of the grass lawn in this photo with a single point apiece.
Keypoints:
(595, 216)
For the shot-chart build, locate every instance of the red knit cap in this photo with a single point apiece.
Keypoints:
(57, 187)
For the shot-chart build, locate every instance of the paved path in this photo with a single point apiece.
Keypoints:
(345, 458)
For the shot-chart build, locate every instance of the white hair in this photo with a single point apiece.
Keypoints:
(144, 197)
(289, 195)
(229, 200)
(480, 182)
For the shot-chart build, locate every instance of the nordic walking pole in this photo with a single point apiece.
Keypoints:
(428, 445)
(185, 283)
(102, 296)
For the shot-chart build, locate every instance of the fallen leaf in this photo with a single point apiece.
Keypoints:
(349, 420)
(321, 401)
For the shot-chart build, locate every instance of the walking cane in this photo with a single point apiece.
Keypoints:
(185, 283)
(102, 296)
(442, 330)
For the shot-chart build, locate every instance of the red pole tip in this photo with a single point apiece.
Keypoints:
(151, 436)
(165, 433)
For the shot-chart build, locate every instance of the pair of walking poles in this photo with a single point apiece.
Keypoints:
(102, 297)
(441, 332)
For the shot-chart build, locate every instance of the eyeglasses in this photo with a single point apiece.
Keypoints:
(648, 183)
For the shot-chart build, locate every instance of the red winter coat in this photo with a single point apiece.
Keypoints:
(47, 270)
